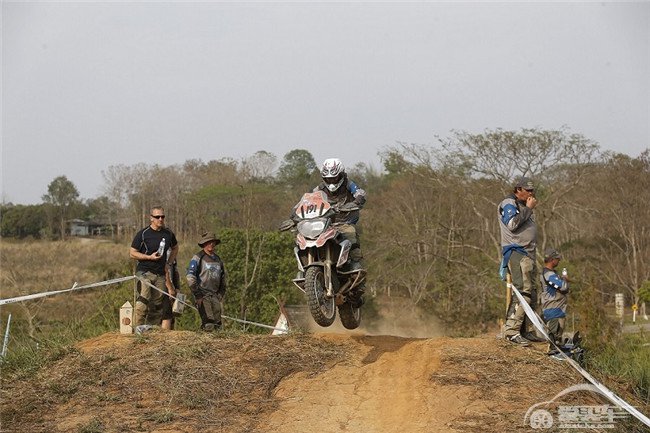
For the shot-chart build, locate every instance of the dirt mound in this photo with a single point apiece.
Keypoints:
(191, 382)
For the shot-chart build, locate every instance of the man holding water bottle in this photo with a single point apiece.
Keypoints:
(554, 295)
(149, 248)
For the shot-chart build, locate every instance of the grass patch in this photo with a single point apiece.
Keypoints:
(626, 359)
(94, 426)
(29, 357)
(161, 417)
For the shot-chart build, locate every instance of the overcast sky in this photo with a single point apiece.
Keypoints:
(90, 85)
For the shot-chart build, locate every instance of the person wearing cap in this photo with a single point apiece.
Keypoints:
(206, 277)
(150, 247)
(518, 246)
(554, 295)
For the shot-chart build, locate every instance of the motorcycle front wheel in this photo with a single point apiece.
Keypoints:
(323, 310)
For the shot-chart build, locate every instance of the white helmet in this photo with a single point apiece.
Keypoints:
(333, 173)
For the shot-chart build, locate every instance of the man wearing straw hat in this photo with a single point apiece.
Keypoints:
(206, 277)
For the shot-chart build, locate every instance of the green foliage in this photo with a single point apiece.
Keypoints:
(593, 322)
(395, 163)
(258, 204)
(26, 356)
(21, 221)
(62, 195)
(626, 357)
(298, 166)
(61, 192)
(218, 204)
(260, 266)
(644, 292)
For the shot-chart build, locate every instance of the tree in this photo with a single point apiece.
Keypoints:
(62, 196)
(104, 211)
(501, 154)
(260, 166)
(298, 166)
(260, 266)
(22, 220)
(558, 161)
(615, 218)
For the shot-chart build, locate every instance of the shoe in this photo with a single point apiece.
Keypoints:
(531, 336)
(518, 339)
(575, 339)
(557, 357)
(208, 327)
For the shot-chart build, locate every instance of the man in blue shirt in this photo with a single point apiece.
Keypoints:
(518, 246)
(554, 295)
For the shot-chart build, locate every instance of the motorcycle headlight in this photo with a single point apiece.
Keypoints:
(312, 228)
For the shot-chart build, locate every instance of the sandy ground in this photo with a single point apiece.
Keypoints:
(190, 383)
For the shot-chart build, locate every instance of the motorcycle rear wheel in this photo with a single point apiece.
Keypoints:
(350, 317)
(322, 310)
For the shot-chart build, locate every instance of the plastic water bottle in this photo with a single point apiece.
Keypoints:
(564, 272)
(161, 248)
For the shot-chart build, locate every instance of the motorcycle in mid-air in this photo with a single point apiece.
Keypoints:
(325, 273)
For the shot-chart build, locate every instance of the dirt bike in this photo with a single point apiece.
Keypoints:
(325, 274)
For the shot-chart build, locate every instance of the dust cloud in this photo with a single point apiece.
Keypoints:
(395, 316)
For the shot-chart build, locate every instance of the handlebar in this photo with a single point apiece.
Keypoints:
(347, 207)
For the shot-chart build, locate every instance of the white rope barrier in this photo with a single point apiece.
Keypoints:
(117, 281)
(261, 325)
(56, 292)
(147, 283)
(535, 319)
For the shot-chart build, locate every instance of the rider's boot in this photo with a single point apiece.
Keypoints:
(355, 258)
(355, 265)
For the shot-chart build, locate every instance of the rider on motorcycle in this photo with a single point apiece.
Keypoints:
(340, 191)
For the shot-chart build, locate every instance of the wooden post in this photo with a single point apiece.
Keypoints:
(502, 321)
(508, 293)
(126, 318)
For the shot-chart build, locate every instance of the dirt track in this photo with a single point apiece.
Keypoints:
(188, 382)
(387, 389)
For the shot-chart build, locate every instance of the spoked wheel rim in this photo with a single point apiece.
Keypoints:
(322, 308)
(327, 306)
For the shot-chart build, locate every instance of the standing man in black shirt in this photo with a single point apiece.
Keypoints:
(149, 248)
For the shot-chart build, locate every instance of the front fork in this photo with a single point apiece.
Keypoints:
(327, 269)
(327, 272)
